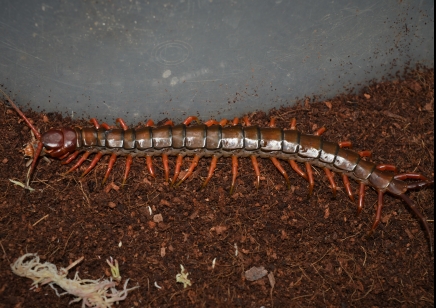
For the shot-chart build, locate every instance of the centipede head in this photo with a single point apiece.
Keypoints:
(54, 142)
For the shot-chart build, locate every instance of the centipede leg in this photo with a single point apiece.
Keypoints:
(110, 165)
(149, 160)
(122, 123)
(94, 122)
(415, 176)
(189, 119)
(361, 198)
(70, 158)
(412, 176)
(277, 164)
(81, 160)
(329, 175)
(194, 164)
(272, 123)
(129, 160)
(93, 163)
(362, 186)
(297, 169)
(384, 167)
(310, 178)
(256, 170)
(378, 213)
(177, 169)
(234, 171)
(347, 186)
(166, 167)
(211, 170)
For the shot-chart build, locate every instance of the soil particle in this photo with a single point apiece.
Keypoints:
(315, 250)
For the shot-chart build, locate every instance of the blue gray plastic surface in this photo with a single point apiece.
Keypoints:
(158, 59)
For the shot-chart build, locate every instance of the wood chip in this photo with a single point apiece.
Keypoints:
(218, 229)
(158, 218)
(255, 273)
(164, 202)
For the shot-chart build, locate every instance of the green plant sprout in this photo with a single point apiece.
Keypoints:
(183, 277)
(92, 293)
(115, 270)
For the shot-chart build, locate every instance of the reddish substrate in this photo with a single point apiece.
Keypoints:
(315, 248)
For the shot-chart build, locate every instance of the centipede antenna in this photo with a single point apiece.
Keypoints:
(21, 114)
(412, 206)
(35, 159)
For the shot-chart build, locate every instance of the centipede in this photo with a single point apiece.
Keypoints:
(235, 139)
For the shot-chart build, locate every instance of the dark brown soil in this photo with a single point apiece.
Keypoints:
(315, 248)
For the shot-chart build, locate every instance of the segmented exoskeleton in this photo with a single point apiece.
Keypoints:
(216, 139)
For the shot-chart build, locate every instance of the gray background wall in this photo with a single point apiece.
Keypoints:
(142, 59)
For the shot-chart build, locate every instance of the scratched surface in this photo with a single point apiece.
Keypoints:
(215, 58)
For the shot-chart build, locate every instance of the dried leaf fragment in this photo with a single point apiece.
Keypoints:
(255, 273)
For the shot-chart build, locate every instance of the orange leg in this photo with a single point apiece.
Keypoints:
(223, 122)
(413, 176)
(235, 121)
(384, 167)
(122, 123)
(129, 160)
(320, 131)
(345, 144)
(169, 123)
(246, 121)
(234, 171)
(194, 164)
(94, 122)
(211, 122)
(110, 165)
(81, 160)
(293, 124)
(256, 170)
(149, 160)
(361, 198)
(71, 158)
(93, 163)
(64, 156)
(190, 119)
(378, 213)
(365, 153)
(105, 126)
(347, 186)
(272, 122)
(149, 123)
(297, 169)
(329, 175)
(310, 178)
(276, 163)
(211, 170)
(166, 168)
(178, 166)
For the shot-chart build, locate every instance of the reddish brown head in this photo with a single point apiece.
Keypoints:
(58, 142)
(54, 142)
